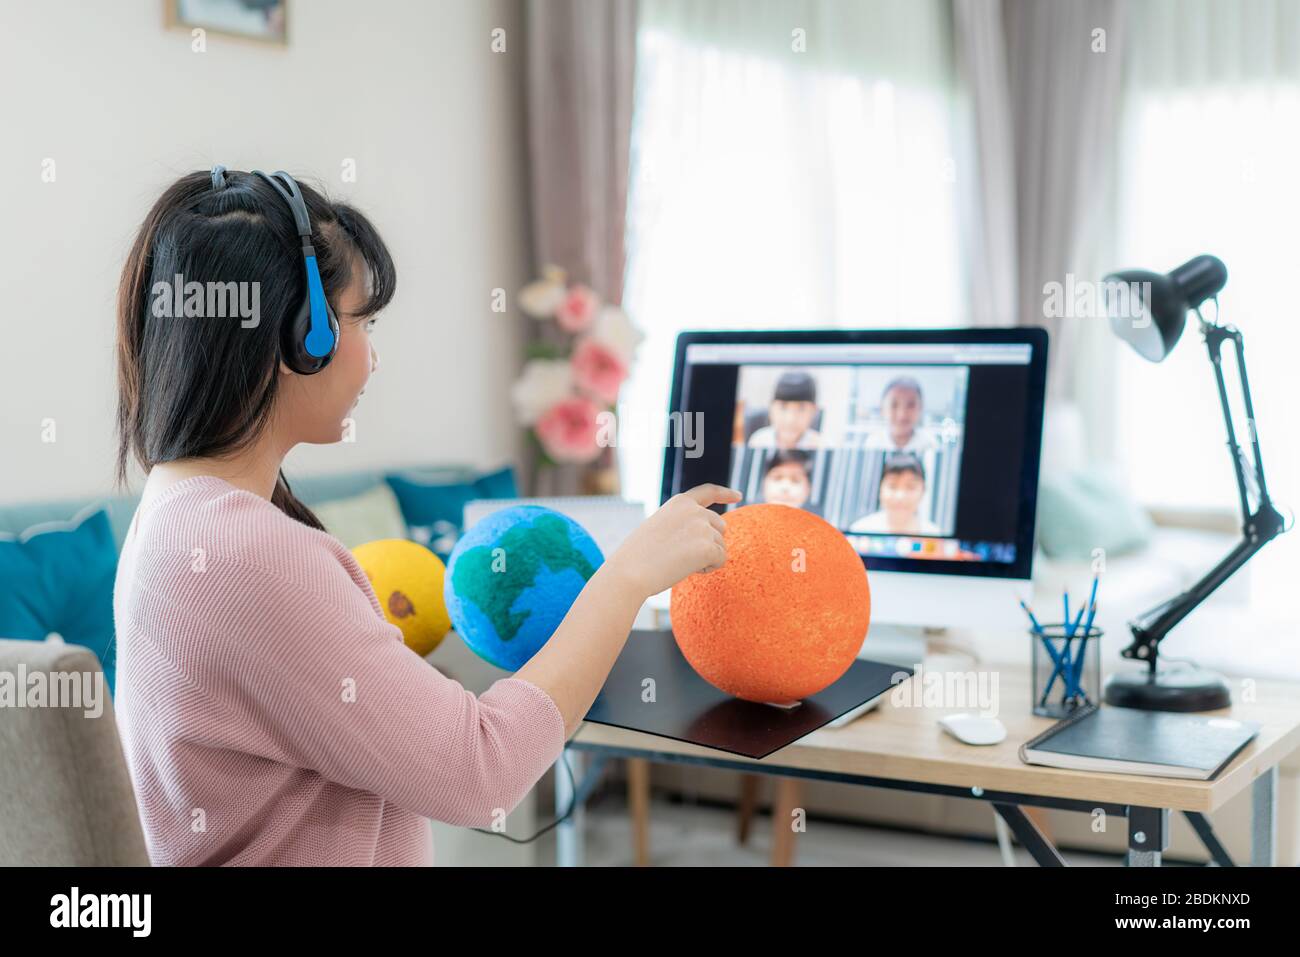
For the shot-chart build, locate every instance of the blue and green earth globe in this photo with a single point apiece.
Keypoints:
(512, 578)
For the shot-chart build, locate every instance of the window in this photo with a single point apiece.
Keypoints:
(778, 189)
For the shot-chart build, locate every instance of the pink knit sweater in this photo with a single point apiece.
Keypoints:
(270, 715)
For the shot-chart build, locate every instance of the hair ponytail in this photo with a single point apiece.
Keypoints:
(284, 499)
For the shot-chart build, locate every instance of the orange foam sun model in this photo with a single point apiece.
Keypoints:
(784, 617)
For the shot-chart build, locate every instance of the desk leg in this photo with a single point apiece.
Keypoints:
(568, 834)
(1263, 825)
(1219, 855)
(1148, 835)
(638, 803)
(787, 798)
(1026, 831)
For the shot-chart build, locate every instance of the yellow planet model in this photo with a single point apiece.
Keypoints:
(408, 581)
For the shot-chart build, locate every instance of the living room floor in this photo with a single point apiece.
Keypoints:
(691, 835)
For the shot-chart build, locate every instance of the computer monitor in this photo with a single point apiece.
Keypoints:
(922, 447)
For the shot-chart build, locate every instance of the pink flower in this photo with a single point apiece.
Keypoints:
(598, 369)
(568, 430)
(578, 309)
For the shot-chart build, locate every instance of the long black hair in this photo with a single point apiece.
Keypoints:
(205, 387)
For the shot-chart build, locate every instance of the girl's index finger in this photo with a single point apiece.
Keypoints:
(710, 494)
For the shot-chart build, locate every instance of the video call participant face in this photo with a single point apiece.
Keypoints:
(793, 408)
(902, 486)
(902, 407)
(786, 482)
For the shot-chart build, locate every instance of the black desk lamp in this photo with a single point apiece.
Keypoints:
(1148, 311)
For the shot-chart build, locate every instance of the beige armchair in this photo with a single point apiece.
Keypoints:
(65, 793)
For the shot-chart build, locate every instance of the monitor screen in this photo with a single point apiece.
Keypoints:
(921, 447)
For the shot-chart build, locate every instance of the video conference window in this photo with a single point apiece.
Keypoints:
(916, 451)
(872, 449)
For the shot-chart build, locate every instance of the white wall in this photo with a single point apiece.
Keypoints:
(408, 88)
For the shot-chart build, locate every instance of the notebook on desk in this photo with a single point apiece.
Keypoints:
(1129, 741)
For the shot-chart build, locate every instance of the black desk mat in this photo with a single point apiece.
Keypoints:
(688, 708)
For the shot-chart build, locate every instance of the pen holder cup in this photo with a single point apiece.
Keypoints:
(1061, 686)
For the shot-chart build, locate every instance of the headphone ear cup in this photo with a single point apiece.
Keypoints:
(293, 345)
(334, 328)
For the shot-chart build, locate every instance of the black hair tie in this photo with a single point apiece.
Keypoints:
(218, 177)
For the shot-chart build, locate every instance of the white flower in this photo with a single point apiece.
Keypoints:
(614, 329)
(541, 298)
(543, 383)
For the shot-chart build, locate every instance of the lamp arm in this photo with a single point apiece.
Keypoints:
(1150, 628)
(1215, 337)
(1259, 526)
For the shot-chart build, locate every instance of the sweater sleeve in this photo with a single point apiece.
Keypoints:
(333, 688)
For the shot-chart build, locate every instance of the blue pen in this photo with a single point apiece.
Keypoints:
(1069, 634)
(1032, 620)
(1083, 646)
(1076, 666)
(1073, 683)
(1057, 662)
(1038, 630)
(1061, 661)
(1061, 666)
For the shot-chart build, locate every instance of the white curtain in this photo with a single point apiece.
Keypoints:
(1208, 153)
(793, 165)
(987, 141)
(1065, 62)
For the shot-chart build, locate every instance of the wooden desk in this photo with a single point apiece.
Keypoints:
(902, 747)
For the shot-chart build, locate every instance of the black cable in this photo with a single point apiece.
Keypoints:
(573, 806)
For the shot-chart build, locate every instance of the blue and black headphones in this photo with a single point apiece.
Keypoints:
(310, 339)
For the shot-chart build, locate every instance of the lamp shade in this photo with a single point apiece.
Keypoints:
(1148, 310)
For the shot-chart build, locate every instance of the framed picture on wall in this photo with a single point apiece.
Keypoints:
(265, 21)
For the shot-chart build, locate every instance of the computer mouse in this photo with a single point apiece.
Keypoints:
(973, 729)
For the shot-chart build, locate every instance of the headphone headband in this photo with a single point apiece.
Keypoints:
(287, 187)
(310, 338)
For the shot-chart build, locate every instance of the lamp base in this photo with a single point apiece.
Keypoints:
(1180, 687)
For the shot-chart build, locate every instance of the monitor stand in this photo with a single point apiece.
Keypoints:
(896, 644)
(901, 645)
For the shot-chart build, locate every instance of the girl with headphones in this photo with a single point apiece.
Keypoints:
(268, 712)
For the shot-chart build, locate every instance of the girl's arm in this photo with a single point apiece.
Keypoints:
(681, 538)
(317, 680)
